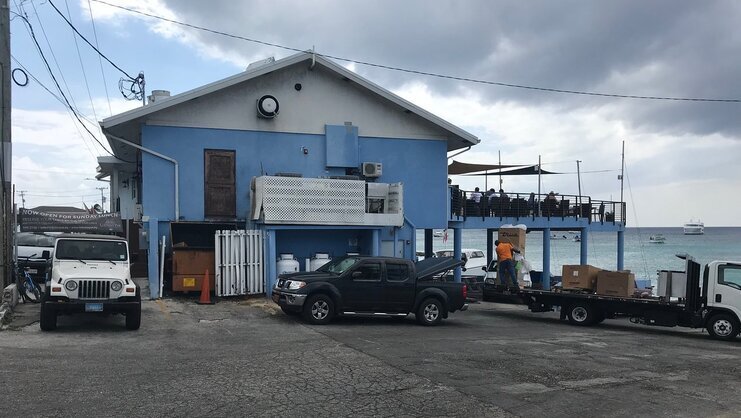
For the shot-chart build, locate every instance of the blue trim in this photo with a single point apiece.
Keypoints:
(584, 235)
(546, 259)
(620, 250)
(457, 248)
(271, 258)
(153, 258)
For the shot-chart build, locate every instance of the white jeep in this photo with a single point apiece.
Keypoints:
(90, 274)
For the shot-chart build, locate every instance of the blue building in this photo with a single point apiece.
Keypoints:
(221, 153)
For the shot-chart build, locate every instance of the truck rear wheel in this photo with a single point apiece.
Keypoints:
(723, 327)
(430, 312)
(582, 315)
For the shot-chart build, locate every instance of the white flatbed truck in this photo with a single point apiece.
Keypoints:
(712, 300)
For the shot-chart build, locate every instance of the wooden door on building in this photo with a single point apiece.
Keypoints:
(220, 184)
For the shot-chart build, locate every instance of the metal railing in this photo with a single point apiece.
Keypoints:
(531, 205)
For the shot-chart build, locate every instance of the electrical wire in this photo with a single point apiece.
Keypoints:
(64, 80)
(638, 228)
(100, 59)
(89, 43)
(425, 73)
(56, 83)
(82, 66)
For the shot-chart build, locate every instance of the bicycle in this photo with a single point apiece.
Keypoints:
(27, 287)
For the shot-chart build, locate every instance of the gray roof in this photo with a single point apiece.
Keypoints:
(465, 138)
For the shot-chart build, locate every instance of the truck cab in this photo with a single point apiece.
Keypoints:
(90, 274)
(722, 296)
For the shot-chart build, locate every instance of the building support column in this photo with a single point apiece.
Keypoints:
(546, 277)
(376, 243)
(489, 246)
(153, 259)
(271, 267)
(428, 243)
(457, 246)
(396, 240)
(620, 250)
(584, 235)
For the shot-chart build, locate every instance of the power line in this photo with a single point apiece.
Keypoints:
(56, 83)
(81, 173)
(100, 59)
(425, 73)
(82, 67)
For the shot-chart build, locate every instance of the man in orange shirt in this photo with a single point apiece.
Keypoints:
(505, 264)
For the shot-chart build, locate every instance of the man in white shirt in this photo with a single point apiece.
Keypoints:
(476, 195)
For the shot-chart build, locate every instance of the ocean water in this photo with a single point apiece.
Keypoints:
(641, 256)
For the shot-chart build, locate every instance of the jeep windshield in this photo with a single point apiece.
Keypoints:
(339, 265)
(71, 249)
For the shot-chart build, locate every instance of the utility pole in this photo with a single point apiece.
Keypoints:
(6, 215)
(23, 197)
(102, 197)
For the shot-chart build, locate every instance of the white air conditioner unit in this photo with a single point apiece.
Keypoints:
(372, 169)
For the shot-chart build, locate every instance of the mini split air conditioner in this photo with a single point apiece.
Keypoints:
(372, 169)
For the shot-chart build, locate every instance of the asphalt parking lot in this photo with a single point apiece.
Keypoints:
(248, 358)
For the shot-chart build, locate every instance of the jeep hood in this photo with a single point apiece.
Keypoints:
(91, 270)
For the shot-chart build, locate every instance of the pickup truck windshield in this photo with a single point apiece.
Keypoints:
(339, 265)
(70, 249)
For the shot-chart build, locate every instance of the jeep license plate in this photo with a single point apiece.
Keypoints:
(93, 307)
(32, 271)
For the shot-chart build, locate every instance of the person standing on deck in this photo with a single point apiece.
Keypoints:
(505, 263)
(476, 195)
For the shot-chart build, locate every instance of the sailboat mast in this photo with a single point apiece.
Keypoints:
(622, 179)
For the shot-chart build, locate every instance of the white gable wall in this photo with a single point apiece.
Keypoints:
(324, 99)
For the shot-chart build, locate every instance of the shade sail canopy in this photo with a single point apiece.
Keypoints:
(522, 171)
(464, 168)
(488, 169)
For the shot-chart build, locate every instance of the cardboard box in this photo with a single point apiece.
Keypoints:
(514, 236)
(616, 283)
(579, 277)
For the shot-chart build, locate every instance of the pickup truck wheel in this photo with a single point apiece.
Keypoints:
(582, 315)
(48, 319)
(430, 312)
(723, 327)
(319, 310)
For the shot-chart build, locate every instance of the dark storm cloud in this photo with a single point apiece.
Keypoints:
(663, 48)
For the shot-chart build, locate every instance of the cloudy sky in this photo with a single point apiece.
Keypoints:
(681, 156)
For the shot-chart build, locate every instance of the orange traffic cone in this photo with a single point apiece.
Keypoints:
(205, 291)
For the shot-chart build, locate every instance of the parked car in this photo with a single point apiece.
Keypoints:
(357, 285)
(31, 247)
(90, 274)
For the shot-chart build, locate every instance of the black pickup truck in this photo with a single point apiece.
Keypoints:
(360, 285)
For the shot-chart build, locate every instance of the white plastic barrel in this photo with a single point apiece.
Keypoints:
(287, 263)
(319, 260)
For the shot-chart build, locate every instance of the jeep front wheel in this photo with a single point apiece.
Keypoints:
(48, 319)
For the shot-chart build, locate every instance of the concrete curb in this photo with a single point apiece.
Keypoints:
(10, 300)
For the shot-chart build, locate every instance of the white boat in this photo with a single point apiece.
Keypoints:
(577, 238)
(656, 239)
(694, 228)
(437, 233)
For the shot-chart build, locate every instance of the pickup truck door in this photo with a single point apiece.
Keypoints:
(399, 290)
(362, 289)
(727, 290)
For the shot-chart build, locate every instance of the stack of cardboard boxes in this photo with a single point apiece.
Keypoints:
(602, 282)
(515, 236)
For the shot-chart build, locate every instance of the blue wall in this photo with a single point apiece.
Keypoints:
(420, 164)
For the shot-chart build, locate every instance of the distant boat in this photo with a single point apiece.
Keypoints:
(577, 238)
(555, 236)
(656, 239)
(437, 233)
(694, 228)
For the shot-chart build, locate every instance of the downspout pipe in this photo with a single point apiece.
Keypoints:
(158, 155)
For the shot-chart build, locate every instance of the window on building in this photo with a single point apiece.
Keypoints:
(220, 189)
